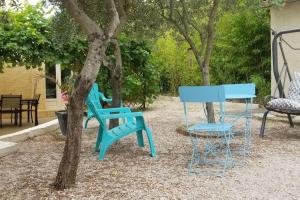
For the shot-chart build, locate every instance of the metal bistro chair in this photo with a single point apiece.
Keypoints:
(216, 136)
(32, 106)
(11, 104)
(245, 92)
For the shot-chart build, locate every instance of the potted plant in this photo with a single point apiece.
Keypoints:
(62, 115)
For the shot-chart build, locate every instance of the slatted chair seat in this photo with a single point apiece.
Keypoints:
(132, 123)
(123, 129)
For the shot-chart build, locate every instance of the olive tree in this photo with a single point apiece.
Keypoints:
(99, 36)
(192, 18)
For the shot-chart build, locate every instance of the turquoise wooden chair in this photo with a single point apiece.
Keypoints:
(133, 122)
(216, 136)
(96, 94)
(245, 92)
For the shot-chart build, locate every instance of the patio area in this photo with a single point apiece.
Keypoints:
(11, 128)
(128, 172)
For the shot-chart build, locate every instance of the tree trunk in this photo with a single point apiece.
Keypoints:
(116, 81)
(98, 40)
(67, 171)
(208, 50)
(66, 175)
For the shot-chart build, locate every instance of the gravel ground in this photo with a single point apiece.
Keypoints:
(272, 170)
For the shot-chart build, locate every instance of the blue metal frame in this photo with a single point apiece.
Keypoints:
(247, 93)
(217, 136)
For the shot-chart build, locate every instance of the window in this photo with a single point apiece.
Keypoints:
(50, 81)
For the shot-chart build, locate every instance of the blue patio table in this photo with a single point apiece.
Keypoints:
(244, 92)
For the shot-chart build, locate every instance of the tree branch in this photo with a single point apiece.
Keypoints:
(122, 8)
(115, 21)
(90, 28)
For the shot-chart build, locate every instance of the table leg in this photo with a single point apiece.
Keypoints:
(248, 123)
(20, 117)
(16, 117)
(36, 115)
(28, 111)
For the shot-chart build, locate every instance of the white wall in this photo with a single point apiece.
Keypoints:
(282, 19)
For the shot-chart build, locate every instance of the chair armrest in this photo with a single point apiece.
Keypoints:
(268, 98)
(114, 110)
(103, 98)
(107, 100)
(123, 115)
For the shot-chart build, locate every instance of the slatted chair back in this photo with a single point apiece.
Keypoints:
(36, 97)
(11, 101)
(94, 96)
(93, 102)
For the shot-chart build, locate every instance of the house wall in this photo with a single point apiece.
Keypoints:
(19, 80)
(287, 18)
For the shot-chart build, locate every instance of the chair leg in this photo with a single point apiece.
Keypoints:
(20, 113)
(11, 116)
(263, 124)
(99, 139)
(16, 117)
(31, 116)
(140, 138)
(36, 119)
(291, 121)
(151, 143)
(86, 121)
(0, 119)
(102, 152)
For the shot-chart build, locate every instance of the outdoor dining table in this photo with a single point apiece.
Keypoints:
(30, 102)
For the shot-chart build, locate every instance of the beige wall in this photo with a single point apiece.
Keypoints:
(282, 19)
(19, 80)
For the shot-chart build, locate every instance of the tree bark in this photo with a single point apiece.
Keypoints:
(98, 40)
(66, 175)
(182, 25)
(208, 50)
(116, 81)
(116, 69)
(67, 171)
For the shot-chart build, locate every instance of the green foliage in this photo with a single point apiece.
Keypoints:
(140, 75)
(242, 50)
(263, 86)
(177, 63)
(67, 38)
(27, 39)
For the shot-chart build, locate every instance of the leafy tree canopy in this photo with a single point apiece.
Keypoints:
(26, 39)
